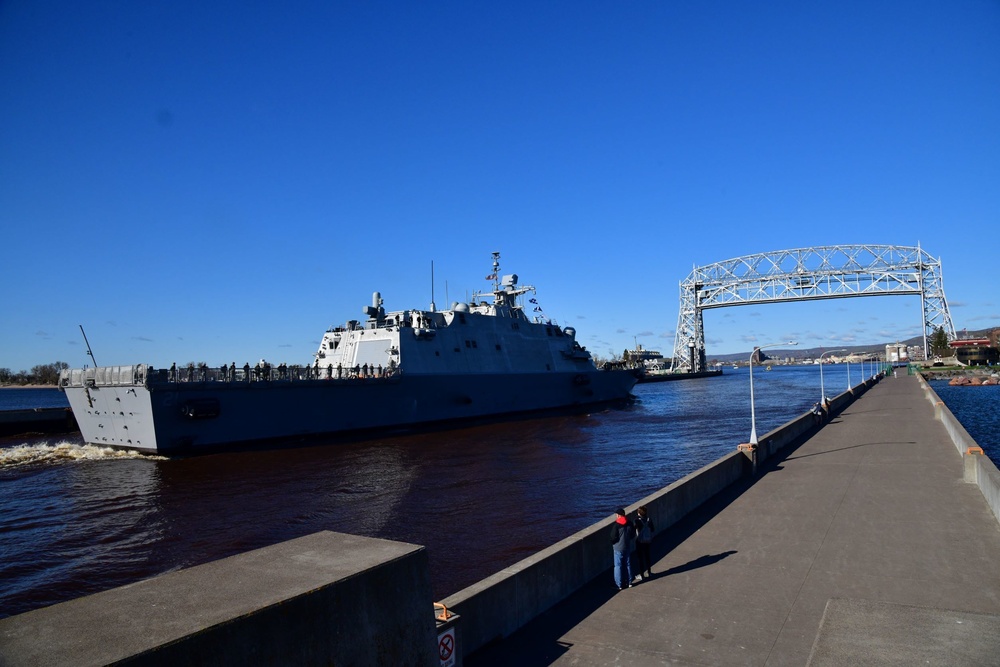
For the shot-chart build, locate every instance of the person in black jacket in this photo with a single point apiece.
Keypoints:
(622, 539)
(644, 530)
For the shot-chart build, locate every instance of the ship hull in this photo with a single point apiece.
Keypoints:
(190, 417)
(667, 377)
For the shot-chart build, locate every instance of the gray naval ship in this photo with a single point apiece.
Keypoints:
(390, 371)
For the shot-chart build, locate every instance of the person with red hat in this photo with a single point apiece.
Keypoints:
(622, 540)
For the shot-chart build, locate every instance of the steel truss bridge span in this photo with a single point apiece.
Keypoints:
(807, 274)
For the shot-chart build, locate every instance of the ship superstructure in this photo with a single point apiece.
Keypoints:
(395, 369)
(482, 336)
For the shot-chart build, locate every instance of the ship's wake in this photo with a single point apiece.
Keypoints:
(61, 452)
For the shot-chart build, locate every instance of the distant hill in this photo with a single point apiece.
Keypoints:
(805, 353)
(813, 352)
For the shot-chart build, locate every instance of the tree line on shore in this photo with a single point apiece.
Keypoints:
(41, 374)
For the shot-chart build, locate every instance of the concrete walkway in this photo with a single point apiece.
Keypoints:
(861, 546)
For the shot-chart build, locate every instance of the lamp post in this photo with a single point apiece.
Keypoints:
(753, 414)
(847, 360)
(822, 391)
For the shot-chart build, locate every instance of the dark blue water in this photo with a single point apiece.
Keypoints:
(19, 399)
(78, 519)
(978, 410)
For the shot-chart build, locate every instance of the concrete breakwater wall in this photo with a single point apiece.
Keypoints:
(979, 469)
(500, 604)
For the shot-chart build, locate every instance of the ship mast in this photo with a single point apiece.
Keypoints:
(433, 307)
(496, 271)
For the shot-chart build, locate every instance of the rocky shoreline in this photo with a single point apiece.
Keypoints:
(974, 381)
(964, 377)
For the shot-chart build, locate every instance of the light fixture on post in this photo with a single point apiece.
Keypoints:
(753, 414)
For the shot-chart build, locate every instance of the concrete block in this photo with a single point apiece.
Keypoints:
(326, 598)
(971, 468)
(988, 479)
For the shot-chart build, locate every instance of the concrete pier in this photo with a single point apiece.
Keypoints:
(864, 544)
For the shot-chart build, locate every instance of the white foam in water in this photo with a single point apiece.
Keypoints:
(65, 451)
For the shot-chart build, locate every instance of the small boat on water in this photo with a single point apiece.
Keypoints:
(392, 370)
(652, 366)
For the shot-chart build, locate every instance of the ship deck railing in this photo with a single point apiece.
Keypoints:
(142, 374)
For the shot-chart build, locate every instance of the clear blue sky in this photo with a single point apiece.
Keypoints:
(223, 181)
